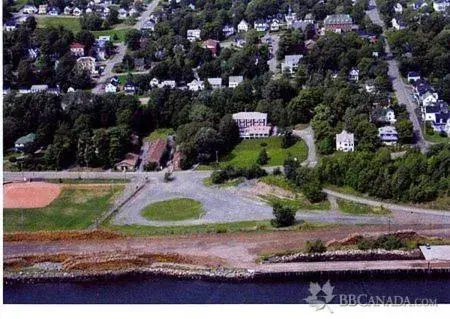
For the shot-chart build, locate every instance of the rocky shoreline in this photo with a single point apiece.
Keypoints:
(348, 255)
(218, 274)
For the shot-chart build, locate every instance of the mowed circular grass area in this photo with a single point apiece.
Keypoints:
(173, 210)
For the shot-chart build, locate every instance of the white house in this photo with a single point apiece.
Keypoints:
(275, 25)
(110, 88)
(10, 26)
(369, 86)
(193, 35)
(154, 82)
(149, 25)
(168, 83)
(228, 30)
(398, 8)
(385, 115)
(77, 12)
(123, 13)
(252, 124)
(216, 83)
(290, 63)
(196, 85)
(260, 25)
(39, 88)
(87, 63)
(413, 77)
(89, 10)
(419, 4)
(30, 9)
(397, 24)
(43, 8)
(54, 12)
(353, 75)
(388, 135)
(429, 98)
(441, 5)
(234, 81)
(67, 10)
(243, 26)
(345, 141)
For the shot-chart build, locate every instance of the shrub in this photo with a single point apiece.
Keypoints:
(313, 191)
(263, 144)
(232, 172)
(263, 157)
(151, 166)
(315, 247)
(389, 242)
(12, 159)
(288, 140)
(284, 215)
(365, 244)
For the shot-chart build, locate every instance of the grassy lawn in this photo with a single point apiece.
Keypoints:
(436, 138)
(245, 226)
(71, 23)
(120, 33)
(246, 152)
(159, 133)
(299, 203)
(174, 209)
(75, 208)
(352, 208)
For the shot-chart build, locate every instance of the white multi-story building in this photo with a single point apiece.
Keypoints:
(345, 141)
(216, 83)
(252, 124)
(290, 63)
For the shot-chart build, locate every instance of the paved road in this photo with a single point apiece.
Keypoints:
(402, 91)
(308, 136)
(121, 49)
(273, 62)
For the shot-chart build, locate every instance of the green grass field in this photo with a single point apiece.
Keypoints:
(75, 208)
(71, 23)
(246, 152)
(159, 133)
(352, 208)
(174, 209)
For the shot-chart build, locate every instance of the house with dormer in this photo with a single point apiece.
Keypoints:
(193, 34)
(345, 141)
(243, 26)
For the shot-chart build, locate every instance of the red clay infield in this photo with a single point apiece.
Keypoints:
(29, 195)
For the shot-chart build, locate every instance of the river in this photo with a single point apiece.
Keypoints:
(176, 291)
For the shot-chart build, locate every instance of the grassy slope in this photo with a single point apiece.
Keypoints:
(245, 226)
(73, 209)
(352, 208)
(159, 133)
(71, 23)
(174, 209)
(246, 152)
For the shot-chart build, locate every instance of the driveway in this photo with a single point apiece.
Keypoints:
(308, 136)
(402, 91)
(273, 61)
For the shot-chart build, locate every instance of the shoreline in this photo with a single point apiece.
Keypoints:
(235, 275)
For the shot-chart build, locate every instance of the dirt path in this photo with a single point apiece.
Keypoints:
(238, 250)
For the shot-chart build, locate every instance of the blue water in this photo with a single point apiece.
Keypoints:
(174, 291)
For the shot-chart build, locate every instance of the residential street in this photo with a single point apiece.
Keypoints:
(402, 91)
(273, 61)
(121, 49)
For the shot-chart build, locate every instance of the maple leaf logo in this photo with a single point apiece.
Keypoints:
(317, 300)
